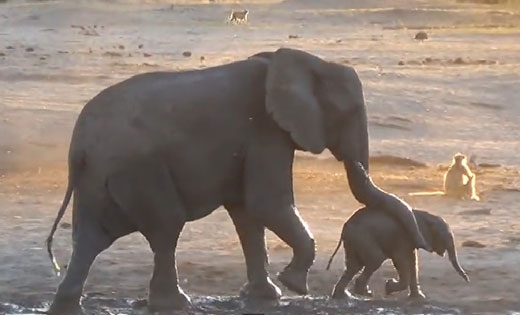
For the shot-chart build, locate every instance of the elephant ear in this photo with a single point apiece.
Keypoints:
(290, 98)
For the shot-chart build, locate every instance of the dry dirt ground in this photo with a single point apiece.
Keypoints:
(456, 91)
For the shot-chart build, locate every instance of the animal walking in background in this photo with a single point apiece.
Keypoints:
(370, 236)
(238, 16)
(459, 181)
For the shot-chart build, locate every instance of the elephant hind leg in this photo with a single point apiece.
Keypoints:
(352, 267)
(371, 256)
(89, 241)
(148, 195)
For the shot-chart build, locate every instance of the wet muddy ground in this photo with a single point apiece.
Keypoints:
(203, 305)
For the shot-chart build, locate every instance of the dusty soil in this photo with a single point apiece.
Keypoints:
(456, 91)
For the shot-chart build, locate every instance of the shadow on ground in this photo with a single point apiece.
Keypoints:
(233, 305)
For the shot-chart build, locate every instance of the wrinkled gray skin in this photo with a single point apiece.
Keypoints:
(160, 149)
(370, 236)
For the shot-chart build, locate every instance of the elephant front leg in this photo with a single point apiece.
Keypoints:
(403, 263)
(288, 225)
(269, 199)
(252, 239)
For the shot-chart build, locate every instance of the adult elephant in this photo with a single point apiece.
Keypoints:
(163, 148)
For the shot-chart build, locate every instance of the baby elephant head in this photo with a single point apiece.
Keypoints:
(442, 239)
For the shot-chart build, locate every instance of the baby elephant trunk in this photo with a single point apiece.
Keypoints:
(452, 255)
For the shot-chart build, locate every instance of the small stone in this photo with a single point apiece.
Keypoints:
(400, 63)
(2, 54)
(43, 58)
(294, 36)
(140, 46)
(186, 53)
(421, 35)
(147, 55)
(9, 47)
(459, 61)
(474, 244)
(29, 49)
(112, 54)
(121, 47)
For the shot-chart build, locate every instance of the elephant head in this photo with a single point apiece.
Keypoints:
(438, 233)
(319, 103)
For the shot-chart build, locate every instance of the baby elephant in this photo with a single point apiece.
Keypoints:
(371, 236)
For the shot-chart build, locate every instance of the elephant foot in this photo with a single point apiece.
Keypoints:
(168, 301)
(417, 296)
(260, 290)
(65, 306)
(294, 279)
(363, 290)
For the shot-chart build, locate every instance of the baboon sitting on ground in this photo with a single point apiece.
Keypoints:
(459, 181)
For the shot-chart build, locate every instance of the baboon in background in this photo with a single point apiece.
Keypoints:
(459, 181)
(238, 16)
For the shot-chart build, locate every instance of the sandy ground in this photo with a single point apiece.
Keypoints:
(55, 56)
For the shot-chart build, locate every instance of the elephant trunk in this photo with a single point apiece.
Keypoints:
(364, 145)
(452, 255)
(361, 185)
(366, 192)
(354, 150)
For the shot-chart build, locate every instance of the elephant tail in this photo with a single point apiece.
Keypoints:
(73, 167)
(335, 251)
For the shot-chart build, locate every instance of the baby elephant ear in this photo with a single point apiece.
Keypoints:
(290, 98)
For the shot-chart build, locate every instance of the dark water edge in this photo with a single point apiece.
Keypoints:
(226, 305)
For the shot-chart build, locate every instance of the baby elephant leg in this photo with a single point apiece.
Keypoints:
(415, 290)
(405, 263)
(372, 257)
(352, 267)
(361, 285)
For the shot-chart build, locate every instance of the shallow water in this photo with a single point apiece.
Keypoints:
(224, 305)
